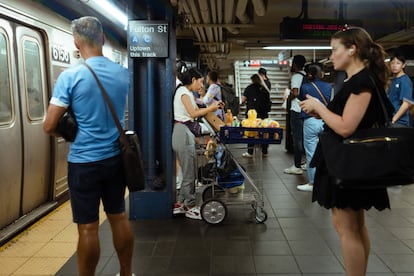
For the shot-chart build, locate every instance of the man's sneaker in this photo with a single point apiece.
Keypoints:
(247, 155)
(303, 167)
(293, 170)
(193, 213)
(178, 209)
(305, 187)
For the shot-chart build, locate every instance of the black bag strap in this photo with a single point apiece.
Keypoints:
(123, 137)
(381, 101)
(304, 78)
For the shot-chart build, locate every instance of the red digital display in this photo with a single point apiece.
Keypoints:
(323, 27)
(298, 28)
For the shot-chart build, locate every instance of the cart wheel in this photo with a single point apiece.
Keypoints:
(213, 211)
(208, 192)
(261, 215)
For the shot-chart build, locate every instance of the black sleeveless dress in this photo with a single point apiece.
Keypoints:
(325, 192)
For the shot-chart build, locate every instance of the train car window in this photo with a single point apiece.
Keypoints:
(33, 79)
(6, 111)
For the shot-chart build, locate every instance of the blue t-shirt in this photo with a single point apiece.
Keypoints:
(97, 137)
(401, 88)
(309, 89)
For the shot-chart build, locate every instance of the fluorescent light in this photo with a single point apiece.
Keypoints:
(286, 47)
(111, 11)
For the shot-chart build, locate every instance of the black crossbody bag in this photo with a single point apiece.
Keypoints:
(134, 170)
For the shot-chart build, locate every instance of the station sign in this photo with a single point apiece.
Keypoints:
(262, 62)
(147, 39)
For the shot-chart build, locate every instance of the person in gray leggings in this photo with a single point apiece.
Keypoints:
(183, 143)
(184, 140)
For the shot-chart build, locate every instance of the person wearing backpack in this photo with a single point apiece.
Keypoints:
(312, 126)
(257, 97)
(296, 122)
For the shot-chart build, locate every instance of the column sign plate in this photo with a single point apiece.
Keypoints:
(147, 39)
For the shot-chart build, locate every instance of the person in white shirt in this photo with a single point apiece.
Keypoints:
(296, 122)
(184, 141)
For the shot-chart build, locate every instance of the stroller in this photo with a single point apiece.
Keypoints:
(224, 182)
(224, 171)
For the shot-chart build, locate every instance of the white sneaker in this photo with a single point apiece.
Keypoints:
(293, 170)
(305, 187)
(247, 155)
(178, 209)
(193, 213)
(303, 167)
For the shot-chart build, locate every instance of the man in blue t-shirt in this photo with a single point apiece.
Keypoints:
(401, 87)
(95, 170)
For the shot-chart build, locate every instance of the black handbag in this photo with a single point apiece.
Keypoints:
(134, 170)
(370, 158)
(67, 126)
(132, 160)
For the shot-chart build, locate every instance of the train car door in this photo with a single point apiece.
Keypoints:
(62, 57)
(10, 130)
(33, 96)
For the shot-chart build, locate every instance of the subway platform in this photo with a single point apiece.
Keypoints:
(296, 239)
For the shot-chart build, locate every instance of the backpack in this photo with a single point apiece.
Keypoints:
(263, 102)
(267, 101)
(230, 99)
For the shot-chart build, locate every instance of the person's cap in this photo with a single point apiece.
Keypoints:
(262, 71)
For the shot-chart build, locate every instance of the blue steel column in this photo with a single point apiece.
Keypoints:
(150, 112)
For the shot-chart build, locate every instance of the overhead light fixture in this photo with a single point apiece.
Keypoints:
(110, 11)
(287, 47)
(184, 20)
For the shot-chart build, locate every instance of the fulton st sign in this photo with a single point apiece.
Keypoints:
(147, 39)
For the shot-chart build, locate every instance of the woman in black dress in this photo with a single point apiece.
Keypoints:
(354, 107)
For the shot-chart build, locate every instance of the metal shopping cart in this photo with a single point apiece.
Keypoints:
(225, 183)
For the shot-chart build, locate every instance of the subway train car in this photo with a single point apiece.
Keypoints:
(36, 45)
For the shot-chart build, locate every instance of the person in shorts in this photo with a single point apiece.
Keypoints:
(95, 170)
